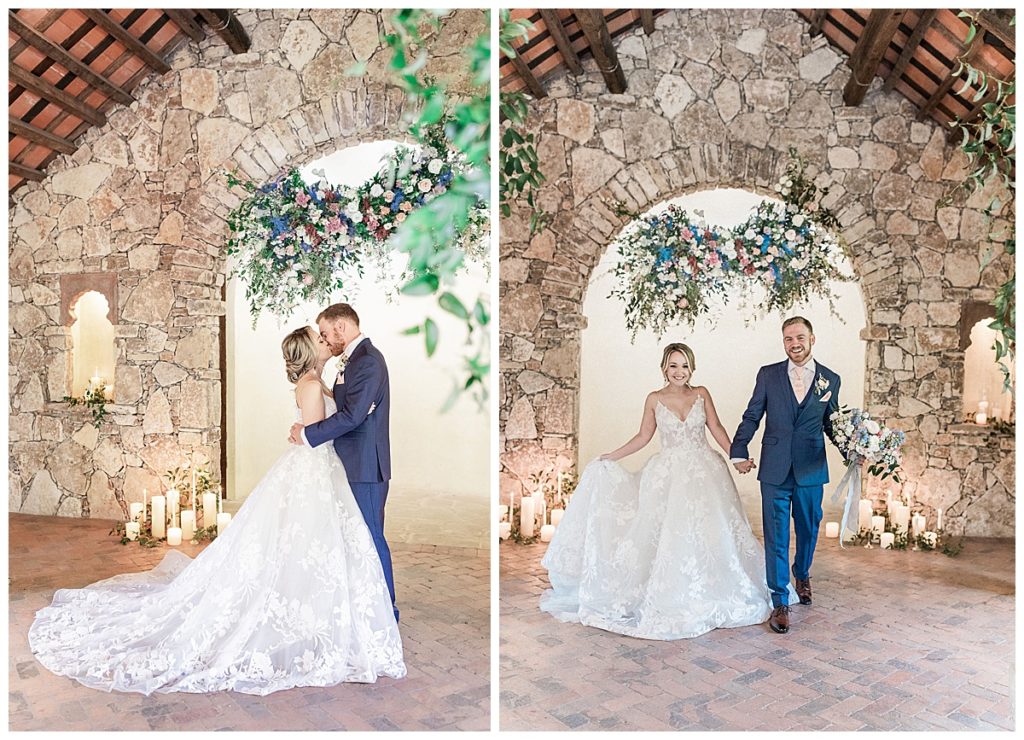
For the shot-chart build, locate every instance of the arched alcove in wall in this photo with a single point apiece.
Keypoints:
(92, 344)
(730, 344)
(439, 460)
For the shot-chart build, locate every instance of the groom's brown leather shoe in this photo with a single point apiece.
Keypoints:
(803, 590)
(779, 620)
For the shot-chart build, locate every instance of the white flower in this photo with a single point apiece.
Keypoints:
(352, 206)
(748, 234)
(798, 220)
(376, 190)
(425, 185)
(790, 234)
(872, 426)
(356, 216)
(435, 166)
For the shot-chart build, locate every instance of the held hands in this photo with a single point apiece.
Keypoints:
(744, 467)
(293, 435)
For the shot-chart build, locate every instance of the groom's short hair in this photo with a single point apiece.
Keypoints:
(339, 311)
(797, 320)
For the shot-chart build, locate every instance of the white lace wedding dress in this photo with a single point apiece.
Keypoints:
(663, 554)
(291, 594)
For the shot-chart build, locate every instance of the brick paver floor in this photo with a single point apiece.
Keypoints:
(893, 641)
(445, 631)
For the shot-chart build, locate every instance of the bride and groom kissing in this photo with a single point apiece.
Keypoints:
(298, 591)
(668, 553)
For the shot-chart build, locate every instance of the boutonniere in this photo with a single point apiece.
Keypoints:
(342, 361)
(821, 385)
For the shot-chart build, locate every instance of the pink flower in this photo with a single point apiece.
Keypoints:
(686, 233)
(302, 198)
(334, 225)
(425, 185)
(683, 303)
(307, 279)
(400, 217)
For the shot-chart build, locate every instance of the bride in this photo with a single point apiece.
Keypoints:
(291, 594)
(666, 553)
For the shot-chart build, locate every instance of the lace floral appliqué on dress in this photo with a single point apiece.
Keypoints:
(663, 554)
(291, 594)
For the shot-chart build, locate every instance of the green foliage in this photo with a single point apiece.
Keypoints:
(989, 142)
(519, 172)
(95, 400)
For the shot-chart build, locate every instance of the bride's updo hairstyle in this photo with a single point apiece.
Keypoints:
(677, 347)
(300, 353)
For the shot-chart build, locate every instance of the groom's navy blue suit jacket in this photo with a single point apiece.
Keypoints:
(360, 438)
(793, 433)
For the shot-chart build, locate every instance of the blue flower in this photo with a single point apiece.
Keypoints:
(279, 225)
(399, 197)
(311, 190)
(664, 254)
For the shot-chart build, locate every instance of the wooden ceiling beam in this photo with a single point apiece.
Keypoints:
(228, 27)
(910, 47)
(879, 30)
(596, 30)
(998, 27)
(27, 173)
(526, 74)
(647, 21)
(64, 58)
(947, 84)
(52, 94)
(130, 42)
(554, 25)
(185, 20)
(39, 136)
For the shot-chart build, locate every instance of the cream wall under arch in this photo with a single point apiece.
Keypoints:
(730, 345)
(439, 460)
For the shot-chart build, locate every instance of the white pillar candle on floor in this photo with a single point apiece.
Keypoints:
(223, 520)
(831, 529)
(877, 525)
(527, 515)
(131, 530)
(173, 504)
(865, 514)
(134, 511)
(556, 516)
(938, 525)
(541, 504)
(919, 524)
(209, 509)
(159, 510)
(887, 540)
(174, 536)
(901, 517)
(930, 538)
(502, 511)
(546, 533)
(188, 524)
(505, 530)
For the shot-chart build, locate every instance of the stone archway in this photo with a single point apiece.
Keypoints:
(143, 198)
(717, 107)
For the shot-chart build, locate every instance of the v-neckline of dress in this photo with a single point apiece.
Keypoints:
(688, 413)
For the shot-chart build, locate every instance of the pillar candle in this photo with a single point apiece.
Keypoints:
(173, 504)
(831, 529)
(556, 516)
(193, 487)
(919, 524)
(541, 504)
(209, 509)
(135, 511)
(546, 533)
(877, 525)
(938, 525)
(527, 515)
(174, 536)
(886, 540)
(131, 530)
(505, 530)
(865, 513)
(223, 520)
(901, 517)
(188, 524)
(502, 511)
(159, 512)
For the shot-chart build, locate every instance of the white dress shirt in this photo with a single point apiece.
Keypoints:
(808, 369)
(347, 353)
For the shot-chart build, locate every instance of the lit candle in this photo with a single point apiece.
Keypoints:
(556, 516)
(505, 530)
(546, 533)
(938, 525)
(193, 487)
(135, 511)
(188, 524)
(223, 520)
(209, 509)
(174, 536)
(831, 529)
(930, 538)
(865, 513)
(159, 516)
(131, 531)
(919, 524)
(877, 525)
(901, 517)
(527, 515)
(887, 540)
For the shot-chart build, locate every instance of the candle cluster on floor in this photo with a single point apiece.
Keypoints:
(893, 528)
(539, 513)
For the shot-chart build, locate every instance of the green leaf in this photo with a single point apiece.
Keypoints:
(412, 330)
(422, 285)
(431, 336)
(453, 305)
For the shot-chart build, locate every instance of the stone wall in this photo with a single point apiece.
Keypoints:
(144, 198)
(714, 100)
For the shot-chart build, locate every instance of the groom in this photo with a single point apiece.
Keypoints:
(360, 437)
(798, 396)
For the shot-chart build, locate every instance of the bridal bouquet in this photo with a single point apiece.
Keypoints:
(861, 438)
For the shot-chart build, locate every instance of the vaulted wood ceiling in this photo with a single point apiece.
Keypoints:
(914, 51)
(69, 67)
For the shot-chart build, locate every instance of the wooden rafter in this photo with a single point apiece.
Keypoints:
(947, 83)
(62, 57)
(998, 27)
(25, 172)
(596, 30)
(58, 97)
(910, 47)
(647, 20)
(532, 83)
(39, 136)
(130, 42)
(227, 26)
(879, 31)
(185, 20)
(554, 25)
